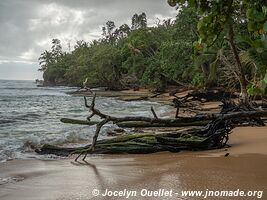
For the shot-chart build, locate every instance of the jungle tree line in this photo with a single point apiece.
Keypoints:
(210, 43)
(232, 34)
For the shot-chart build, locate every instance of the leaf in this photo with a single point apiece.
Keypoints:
(200, 25)
(255, 15)
(192, 3)
(249, 13)
(265, 78)
(265, 26)
(246, 39)
(259, 45)
(250, 91)
(252, 26)
(253, 90)
(259, 17)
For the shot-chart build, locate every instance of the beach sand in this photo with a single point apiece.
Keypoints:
(244, 169)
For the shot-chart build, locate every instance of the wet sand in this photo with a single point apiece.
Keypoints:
(244, 169)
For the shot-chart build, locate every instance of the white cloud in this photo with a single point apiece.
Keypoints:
(27, 27)
(28, 55)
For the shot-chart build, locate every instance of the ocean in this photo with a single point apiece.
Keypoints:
(30, 117)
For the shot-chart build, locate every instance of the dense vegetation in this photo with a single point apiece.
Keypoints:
(210, 43)
(234, 31)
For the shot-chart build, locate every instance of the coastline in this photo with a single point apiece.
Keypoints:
(130, 94)
(63, 179)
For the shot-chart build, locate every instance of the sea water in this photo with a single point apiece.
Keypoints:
(30, 117)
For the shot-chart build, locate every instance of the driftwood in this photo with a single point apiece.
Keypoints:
(78, 121)
(207, 95)
(213, 135)
(204, 95)
(198, 120)
(140, 124)
(229, 106)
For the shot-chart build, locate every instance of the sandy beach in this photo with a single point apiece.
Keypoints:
(139, 100)
(243, 169)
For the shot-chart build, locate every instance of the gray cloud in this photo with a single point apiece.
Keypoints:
(28, 26)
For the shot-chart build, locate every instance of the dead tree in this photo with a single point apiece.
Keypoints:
(213, 133)
(107, 118)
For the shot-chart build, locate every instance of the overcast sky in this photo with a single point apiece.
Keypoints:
(28, 26)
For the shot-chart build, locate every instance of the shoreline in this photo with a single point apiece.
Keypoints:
(64, 179)
(128, 95)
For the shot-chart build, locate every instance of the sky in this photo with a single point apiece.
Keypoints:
(28, 27)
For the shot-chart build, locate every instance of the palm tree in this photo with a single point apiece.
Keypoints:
(44, 60)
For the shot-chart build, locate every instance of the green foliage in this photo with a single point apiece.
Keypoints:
(176, 62)
(139, 21)
(154, 55)
(192, 49)
(160, 55)
(260, 88)
(256, 14)
(265, 26)
(198, 80)
(265, 79)
(107, 64)
(153, 77)
(227, 18)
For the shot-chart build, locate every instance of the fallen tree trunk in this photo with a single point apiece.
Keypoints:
(198, 120)
(214, 135)
(132, 143)
(78, 121)
(135, 124)
(205, 95)
(192, 139)
(140, 124)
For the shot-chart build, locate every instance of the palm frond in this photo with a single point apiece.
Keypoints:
(248, 60)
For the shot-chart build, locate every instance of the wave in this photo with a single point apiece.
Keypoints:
(18, 118)
(39, 88)
(24, 146)
(14, 97)
(30, 115)
(4, 100)
(18, 88)
(29, 119)
(6, 121)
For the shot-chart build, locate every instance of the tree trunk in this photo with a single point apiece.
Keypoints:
(242, 80)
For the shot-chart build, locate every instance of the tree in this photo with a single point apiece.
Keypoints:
(56, 48)
(44, 60)
(106, 62)
(139, 21)
(48, 57)
(253, 56)
(122, 32)
(80, 44)
(218, 17)
(108, 31)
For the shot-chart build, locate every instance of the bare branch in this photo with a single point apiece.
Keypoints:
(98, 128)
(167, 121)
(90, 116)
(93, 102)
(154, 113)
(85, 102)
(177, 112)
